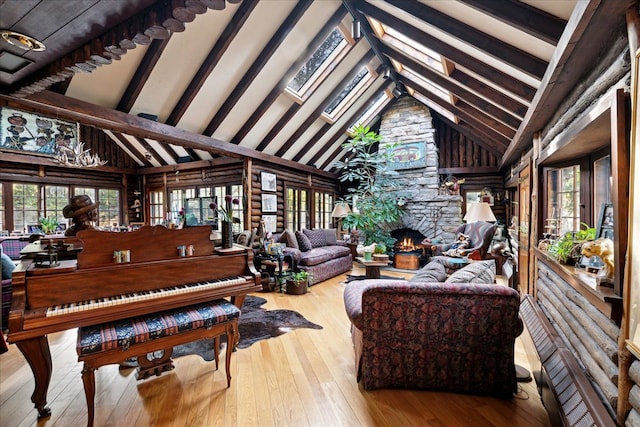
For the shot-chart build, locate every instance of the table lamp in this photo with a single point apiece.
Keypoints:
(479, 212)
(340, 211)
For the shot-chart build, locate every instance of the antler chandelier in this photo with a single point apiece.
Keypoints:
(78, 157)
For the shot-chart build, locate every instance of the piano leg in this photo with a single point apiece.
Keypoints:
(236, 300)
(36, 351)
(89, 382)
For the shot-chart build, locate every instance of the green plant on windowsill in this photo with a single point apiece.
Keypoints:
(48, 224)
(567, 249)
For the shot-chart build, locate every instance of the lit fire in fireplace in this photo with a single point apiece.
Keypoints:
(406, 245)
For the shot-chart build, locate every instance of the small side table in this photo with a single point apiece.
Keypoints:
(273, 264)
(353, 246)
(372, 268)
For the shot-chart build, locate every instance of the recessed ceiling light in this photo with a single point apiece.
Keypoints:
(22, 41)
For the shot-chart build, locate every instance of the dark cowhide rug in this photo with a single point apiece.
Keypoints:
(255, 324)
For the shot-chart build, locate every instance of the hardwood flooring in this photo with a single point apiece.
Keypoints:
(303, 378)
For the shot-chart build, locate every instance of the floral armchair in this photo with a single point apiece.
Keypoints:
(440, 336)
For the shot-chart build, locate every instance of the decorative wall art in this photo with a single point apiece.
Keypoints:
(22, 131)
(268, 181)
(269, 203)
(408, 155)
(270, 223)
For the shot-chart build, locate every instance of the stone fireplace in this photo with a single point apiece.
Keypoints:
(428, 211)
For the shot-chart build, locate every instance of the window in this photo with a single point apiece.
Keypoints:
(602, 183)
(323, 209)
(377, 105)
(348, 95)
(156, 207)
(177, 201)
(311, 73)
(25, 205)
(238, 210)
(55, 199)
(109, 209)
(563, 195)
(109, 204)
(297, 209)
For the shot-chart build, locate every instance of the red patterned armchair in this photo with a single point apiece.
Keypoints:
(439, 336)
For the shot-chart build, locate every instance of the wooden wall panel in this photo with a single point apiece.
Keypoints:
(457, 151)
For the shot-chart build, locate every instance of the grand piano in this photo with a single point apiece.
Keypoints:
(55, 296)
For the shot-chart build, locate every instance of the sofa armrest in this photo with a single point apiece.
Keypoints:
(353, 296)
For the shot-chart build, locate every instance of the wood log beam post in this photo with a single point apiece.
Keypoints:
(625, 357)
(248, 191)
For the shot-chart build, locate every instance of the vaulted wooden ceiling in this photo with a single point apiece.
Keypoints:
(494, 70)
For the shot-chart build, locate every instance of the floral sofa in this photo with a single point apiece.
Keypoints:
(318, 252)
(447, 336)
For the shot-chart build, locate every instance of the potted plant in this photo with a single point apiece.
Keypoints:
(298, 282)
(568, 248)
(380, 253)
(48, 225)
(375, 194)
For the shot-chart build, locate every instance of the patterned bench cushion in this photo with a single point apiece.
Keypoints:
(126, 332)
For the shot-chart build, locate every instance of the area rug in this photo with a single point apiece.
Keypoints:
(255, 324)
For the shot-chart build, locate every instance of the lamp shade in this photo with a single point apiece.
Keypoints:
(479, 212)
(341, 210)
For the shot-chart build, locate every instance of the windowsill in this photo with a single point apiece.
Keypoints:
(603, 298)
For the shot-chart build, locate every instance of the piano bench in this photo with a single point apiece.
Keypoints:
(147, 336)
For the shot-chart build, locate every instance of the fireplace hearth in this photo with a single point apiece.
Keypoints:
(408, 253)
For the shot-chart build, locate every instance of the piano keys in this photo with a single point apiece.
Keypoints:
(94, 289)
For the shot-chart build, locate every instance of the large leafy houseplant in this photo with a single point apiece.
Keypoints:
(374, 192)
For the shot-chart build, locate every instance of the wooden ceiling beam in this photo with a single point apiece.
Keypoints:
(453, 87)
(517, 58)
(215, 54)
(499, 141)
(267, 52)
(150, 59)
(516, 108)
(280, 124)
(339, 132)
(483, 118)
(47, 102)
(286, 78)
(133, 150)
(508, 82)
(528, 19)
(158, 158)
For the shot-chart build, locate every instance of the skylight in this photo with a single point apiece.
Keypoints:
(427, 84)
(333, 105)
(310, 72)
(367, 116)
(413, 48)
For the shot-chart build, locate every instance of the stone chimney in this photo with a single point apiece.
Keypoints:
(428, 211)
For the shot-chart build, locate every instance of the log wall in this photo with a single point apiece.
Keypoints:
(590, 334)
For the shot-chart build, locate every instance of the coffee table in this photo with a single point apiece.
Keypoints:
(372, 268)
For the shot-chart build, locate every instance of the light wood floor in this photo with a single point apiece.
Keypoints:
(302, 378)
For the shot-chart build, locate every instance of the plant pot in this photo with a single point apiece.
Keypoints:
(299, 287)
(368, 256)
(381, 257)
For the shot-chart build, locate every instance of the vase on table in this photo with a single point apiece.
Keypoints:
(227, 234)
